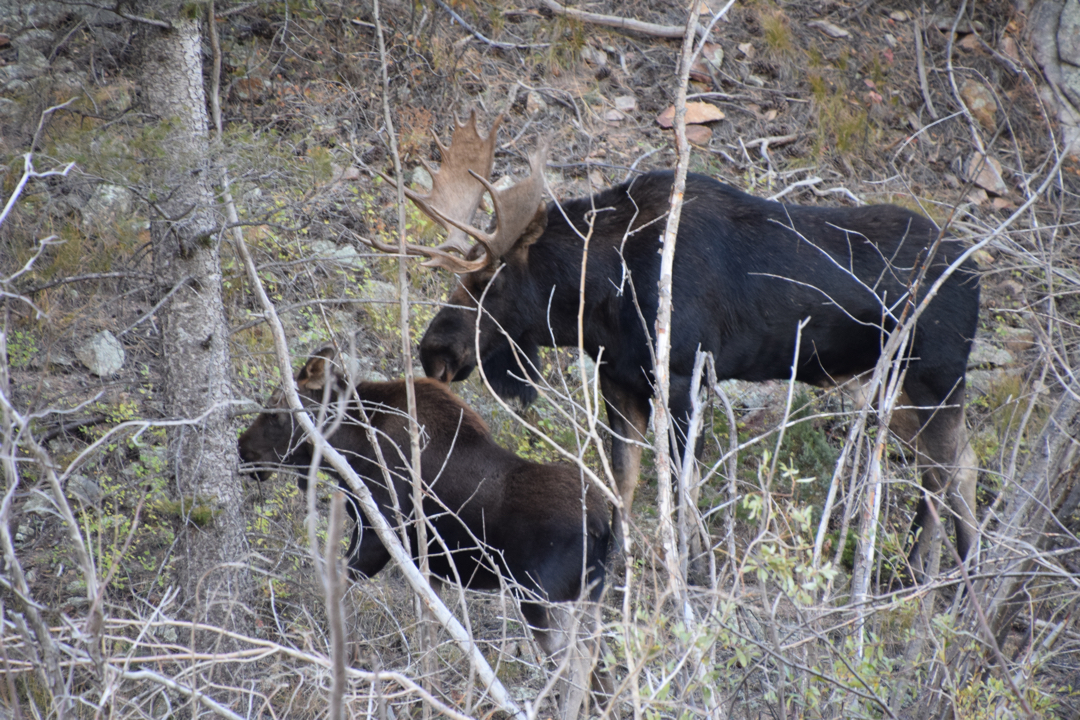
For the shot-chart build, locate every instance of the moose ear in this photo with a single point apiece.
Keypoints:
(313, 375)
(532, 233)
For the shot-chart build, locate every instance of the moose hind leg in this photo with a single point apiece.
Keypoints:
(952, 469)
(940, 438)
(559, 633)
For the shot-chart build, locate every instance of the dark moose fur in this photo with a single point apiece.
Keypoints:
(528, 517)
(746, 271)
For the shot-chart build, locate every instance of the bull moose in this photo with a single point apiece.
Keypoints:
(746, 272)
(493, 516)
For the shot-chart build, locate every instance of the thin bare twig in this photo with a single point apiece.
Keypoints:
(488, 41)
(921, 62)
(640, 26)
(661, 418)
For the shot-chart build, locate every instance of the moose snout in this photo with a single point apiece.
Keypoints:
(444, 369)
(444, 362)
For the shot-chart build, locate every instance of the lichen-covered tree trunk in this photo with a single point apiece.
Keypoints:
(194, 350)
(1054, 29)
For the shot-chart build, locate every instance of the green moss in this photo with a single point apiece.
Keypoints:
(196, 510)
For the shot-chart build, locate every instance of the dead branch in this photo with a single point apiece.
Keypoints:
(921, 62)
(487, 41)
(334, 590)
(640, 26)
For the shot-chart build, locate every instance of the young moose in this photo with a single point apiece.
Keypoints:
(746, 272)
(492, 514)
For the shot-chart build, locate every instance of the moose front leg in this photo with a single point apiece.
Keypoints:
(628, 416)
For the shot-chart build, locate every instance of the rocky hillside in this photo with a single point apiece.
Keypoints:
(944, 108)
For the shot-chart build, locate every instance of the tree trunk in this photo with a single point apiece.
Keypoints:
(194, 333)
(1054, 28)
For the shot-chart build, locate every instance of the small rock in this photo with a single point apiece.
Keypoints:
(343, 255)
(977, 196)
(754, 395)
(102, 354)
(747, 49)
(1000, 203)
(899, 15)
(61, 360)
(376, 376)
(986, 174)
(890, 40)
(23, 533)
(699, 72)
(31, 577)
(379, 290)
(980, 101)
(505, 182)
(984, 381)
(944, 23)
(983, 259)
(590, 369)
(1068, 39)
(37, 38)
(251, 89)
(32, 58)
(969, 42)
(534, 103)
(698, 134)
(696, 114)
(84, 489)
(344, 174)
(421, 178)
(1017, 340)
(951, 180)
(713, 54)
(13, 77)
(614, 116)
(39, 505)
(594, 56)
(833, 31)
(107, 204)
(1009, 49)
(984, 354)
(626, 103)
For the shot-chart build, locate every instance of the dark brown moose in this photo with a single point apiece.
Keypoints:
(493, 516)
(746, 272)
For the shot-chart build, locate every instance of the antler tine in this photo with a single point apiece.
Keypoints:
(453, 193)
(436, 257)
(515, 207)
(454, 198)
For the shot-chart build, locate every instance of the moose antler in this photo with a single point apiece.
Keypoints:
(456, 190)
(515, 207)
(454, 194)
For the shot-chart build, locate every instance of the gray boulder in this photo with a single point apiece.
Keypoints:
(102, 354)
